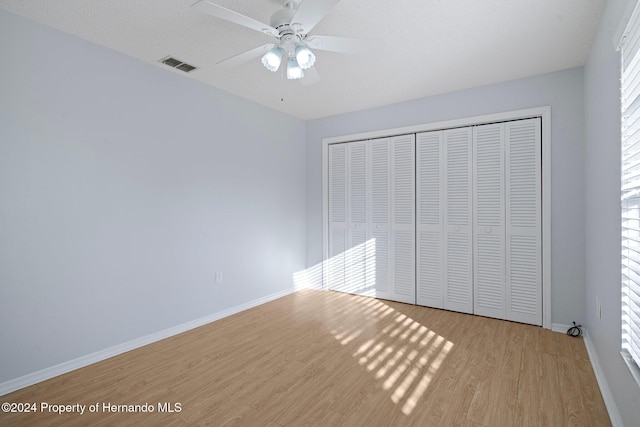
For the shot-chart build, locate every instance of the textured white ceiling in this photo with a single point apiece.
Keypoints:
(427, 46)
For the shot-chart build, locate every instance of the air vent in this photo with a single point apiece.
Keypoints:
(176, 63)
(185, 67)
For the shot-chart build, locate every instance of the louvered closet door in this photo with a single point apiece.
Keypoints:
(378, 226)
(523, 222)
(478, 232)
(458, 262)
(489, 221)
(371, 214)
(429, 217)
(347, 264)
(403, 251)
(337, 215)
(356, 252)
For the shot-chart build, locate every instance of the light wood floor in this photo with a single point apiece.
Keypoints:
(331, 359)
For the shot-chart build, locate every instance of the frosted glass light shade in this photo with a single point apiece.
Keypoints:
(293, 70)
(272, 59)
(305, 57)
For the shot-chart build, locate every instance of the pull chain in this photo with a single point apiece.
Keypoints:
(282, 84)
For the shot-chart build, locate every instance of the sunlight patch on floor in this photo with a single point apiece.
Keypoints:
(403, 356)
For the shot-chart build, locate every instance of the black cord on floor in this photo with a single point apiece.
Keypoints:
(575, 330)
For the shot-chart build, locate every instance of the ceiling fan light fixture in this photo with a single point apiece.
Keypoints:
(305, 57)
(272, 59)
(293, 70)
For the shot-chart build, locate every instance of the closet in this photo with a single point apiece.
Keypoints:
(478, 220)
(448, 219)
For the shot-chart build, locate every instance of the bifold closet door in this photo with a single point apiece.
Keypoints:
(403, 234)
(430, 202)
(335, 265)
(458, 247)
(489, 221)
(371, 218)
(355, 261)
(356, 264)
(349, 250)
(379, 218)
(506, 226)
(523, 221)
(445, 249)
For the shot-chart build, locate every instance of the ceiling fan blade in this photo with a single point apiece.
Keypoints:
(243, 57)
(210, 8)
(343, 44)
(311, 76)
(310, 12)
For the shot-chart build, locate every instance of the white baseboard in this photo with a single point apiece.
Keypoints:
(614, 415)
(560, 327)
(80, 362)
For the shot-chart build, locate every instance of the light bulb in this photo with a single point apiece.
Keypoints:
(272, 59)
(305, 57)
(293, 70)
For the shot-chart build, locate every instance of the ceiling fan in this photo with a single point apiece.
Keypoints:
(290, 27)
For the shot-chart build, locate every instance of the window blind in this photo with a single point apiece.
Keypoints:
(630, 187)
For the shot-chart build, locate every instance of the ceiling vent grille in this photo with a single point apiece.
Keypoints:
(176, 63)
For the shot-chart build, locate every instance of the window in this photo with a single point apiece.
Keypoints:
(630, 191)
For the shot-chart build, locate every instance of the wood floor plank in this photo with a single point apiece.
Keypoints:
(528, 402)
(330, 359)
(570, 389)
(553, 411)
(494, 399)
(592, 401)
(578, 349)
(328, 418)
(512, 360)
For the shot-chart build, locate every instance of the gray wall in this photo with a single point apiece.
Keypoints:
(124, 187)
(562, 91)
(602, 210)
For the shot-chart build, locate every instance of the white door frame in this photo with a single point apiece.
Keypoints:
(543, 112)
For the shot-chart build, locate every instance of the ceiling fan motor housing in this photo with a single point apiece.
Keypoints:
(281, 21)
